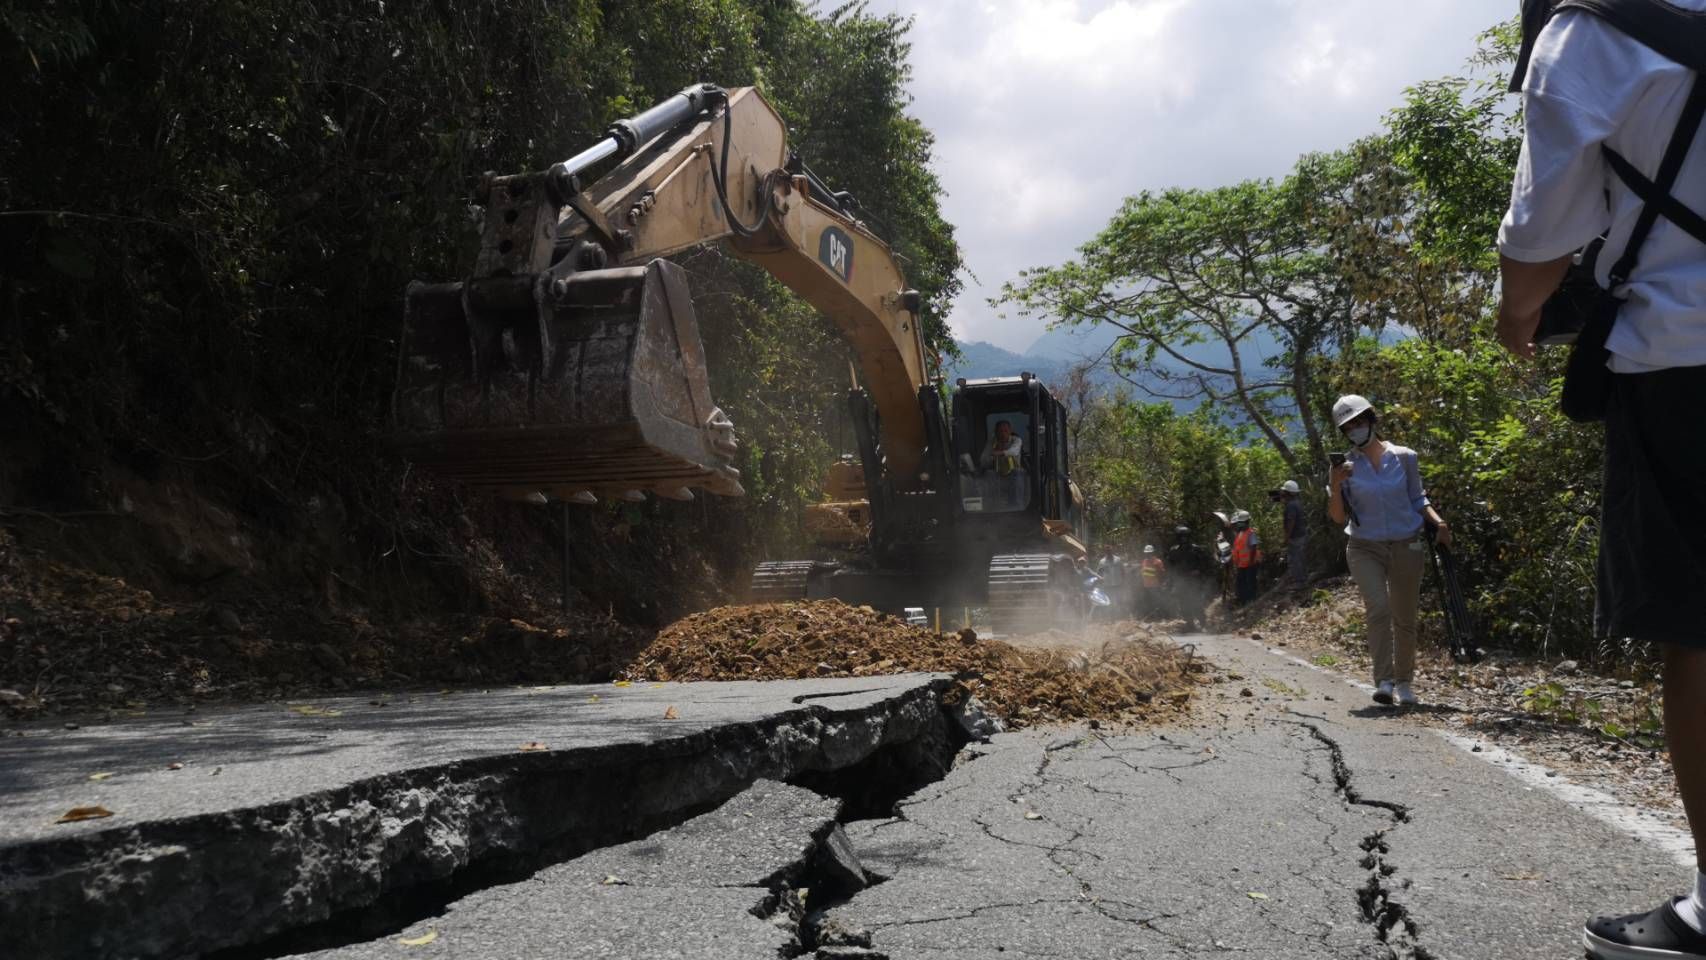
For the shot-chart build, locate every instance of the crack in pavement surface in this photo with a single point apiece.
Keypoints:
(1296, 824)
(1100, 845)
(254, 823)
(1392, 922)
(729, 883)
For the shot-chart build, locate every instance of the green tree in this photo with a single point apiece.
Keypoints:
(1201, 283)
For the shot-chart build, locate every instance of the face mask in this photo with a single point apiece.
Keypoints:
(1360, 434)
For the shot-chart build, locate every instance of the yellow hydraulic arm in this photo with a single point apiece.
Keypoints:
(569, 364)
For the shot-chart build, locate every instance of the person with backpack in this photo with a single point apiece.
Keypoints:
(1612, 106)
(1377, 494)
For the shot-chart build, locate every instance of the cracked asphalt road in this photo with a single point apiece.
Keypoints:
(1289, 818)
(1296, 822)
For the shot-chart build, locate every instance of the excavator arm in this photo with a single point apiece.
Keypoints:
(570, 364)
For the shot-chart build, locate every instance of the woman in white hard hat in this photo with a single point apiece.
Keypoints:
(1377, 494)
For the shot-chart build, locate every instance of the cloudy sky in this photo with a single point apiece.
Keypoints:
(1048, 112)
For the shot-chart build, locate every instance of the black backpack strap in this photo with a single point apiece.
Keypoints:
(1671, 31)
(1655, 194)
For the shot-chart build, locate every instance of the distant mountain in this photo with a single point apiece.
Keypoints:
(980, 359)
(1074, 344)
(1051, 357)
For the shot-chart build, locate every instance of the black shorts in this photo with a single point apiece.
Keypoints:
(1652, 576)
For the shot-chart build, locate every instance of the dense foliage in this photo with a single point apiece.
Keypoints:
(209, 212)
(1371, 270)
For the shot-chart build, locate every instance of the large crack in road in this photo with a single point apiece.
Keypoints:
(1391, 920)
(301, 835)
(1089, 844)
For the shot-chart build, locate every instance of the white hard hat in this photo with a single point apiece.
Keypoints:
(1290, 486)
(1149, 548)
(1349, 407)
(1242, 516)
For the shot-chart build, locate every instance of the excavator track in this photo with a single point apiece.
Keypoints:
(779, 581)
(1020, 598)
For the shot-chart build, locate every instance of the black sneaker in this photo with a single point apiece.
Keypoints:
(1659, 935)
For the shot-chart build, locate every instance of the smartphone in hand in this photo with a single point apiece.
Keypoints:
(1335, 459)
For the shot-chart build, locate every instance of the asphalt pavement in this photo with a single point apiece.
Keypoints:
(178, 834)
(1289, 817)
(1293, 819)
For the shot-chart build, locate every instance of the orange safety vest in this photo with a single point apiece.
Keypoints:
(1245, 554)
(1152, 570)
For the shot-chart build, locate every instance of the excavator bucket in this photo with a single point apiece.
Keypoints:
(593, 383)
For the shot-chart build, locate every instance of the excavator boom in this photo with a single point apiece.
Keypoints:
(570, 364)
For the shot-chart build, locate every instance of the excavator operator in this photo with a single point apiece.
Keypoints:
(1002, 456)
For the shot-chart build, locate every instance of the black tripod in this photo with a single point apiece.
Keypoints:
(1459, 628)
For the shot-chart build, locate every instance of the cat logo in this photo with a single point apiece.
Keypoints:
(835, 251)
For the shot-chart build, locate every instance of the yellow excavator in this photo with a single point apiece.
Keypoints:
(569, 366)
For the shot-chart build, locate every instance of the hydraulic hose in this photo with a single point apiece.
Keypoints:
(720, 177)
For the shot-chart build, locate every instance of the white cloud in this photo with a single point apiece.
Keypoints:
(1049, 112)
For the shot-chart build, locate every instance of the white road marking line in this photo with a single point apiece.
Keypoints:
(1642, 824)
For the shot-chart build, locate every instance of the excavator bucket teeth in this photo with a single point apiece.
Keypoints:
(595, 382)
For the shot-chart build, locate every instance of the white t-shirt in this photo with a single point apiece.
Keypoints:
(1589, 84)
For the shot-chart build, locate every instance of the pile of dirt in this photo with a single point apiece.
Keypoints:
(1123, 678)
(77, 642)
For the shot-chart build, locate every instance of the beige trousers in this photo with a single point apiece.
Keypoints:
(1389, 577)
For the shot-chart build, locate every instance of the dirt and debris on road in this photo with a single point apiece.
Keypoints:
(1110, 672)
(1603, 731)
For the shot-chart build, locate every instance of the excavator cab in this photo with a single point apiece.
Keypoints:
(1010, 449)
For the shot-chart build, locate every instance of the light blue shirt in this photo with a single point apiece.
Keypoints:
(1386, 499)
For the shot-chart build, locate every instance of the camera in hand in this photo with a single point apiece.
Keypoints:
(1575, 302)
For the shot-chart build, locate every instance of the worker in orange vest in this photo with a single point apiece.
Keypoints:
(1151, 572)
(1246, 555)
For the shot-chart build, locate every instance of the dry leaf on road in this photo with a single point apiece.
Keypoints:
(421, 940)
(671, 713)
(532, 746)
(1253, 895)
(76, 814)
(100, 776)
(1033, 815)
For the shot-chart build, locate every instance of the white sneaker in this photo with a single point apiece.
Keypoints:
(1383, 693)
(1406, 696)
